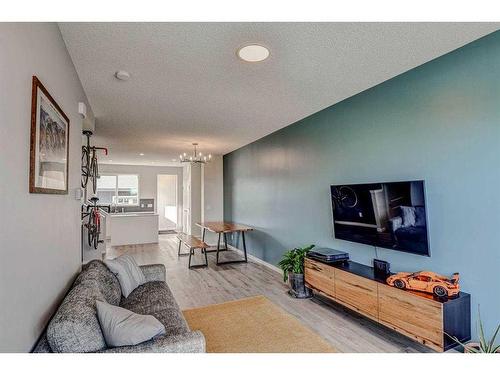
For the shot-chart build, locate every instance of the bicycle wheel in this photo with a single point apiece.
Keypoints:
(94, 173)
(91, 229)
(85, 166)
(97, 226)
(348, 197)
(96, 240)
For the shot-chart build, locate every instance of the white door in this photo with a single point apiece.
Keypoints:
(167, 202)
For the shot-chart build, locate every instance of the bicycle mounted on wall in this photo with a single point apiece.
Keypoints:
(90, 170)
(93, 225)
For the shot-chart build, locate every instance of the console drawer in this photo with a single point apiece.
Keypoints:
(415, 316)
(357, 293)
(319, 276)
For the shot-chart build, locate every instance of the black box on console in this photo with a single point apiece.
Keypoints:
(328, 255)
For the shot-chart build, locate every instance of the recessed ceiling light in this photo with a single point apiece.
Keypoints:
(141, 154)
(122, 75)
(253, 53)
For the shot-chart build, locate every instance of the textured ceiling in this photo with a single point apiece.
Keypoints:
(187, 84)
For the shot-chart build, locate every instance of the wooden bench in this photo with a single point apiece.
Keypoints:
(192, 243)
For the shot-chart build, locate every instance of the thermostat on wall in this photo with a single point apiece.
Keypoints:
(82, 110)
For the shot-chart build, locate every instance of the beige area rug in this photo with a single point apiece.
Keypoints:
(253, 325)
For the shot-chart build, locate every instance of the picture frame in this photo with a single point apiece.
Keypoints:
(49, 143)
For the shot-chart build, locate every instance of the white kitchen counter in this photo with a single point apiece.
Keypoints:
(132, 228)
(120, 214)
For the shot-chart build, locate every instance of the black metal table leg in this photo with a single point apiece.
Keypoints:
(244, 245)
(232, 261)
(218, 249)
(206, 259)
(203, 239)
(218, 244)
(191, 253)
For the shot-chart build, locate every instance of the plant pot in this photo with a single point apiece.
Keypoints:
(473, 347)
(298, 288)
(470, 347)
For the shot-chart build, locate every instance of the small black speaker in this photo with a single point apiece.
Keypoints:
(382, 269)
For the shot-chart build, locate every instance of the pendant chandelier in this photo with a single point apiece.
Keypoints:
(195, 157)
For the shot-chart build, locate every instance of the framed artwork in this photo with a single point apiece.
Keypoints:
(49, 145)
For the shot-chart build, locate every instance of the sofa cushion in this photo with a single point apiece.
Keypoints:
(75, 327)
(128, 273)
(173, 321)
(122, 327)
(420, 216)
(107, 282)
(155, 298)
(408, 215)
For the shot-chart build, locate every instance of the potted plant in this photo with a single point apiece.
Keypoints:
(484, 345)
(292, 266)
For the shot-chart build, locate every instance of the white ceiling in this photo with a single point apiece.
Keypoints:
(187, 84)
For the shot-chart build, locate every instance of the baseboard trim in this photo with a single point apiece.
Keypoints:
(256, 259)
(251, 257)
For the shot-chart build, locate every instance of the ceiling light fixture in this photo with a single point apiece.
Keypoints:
(196, 157)
(141, 154)
(253, 53)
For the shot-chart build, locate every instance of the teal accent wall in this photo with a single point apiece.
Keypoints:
(439, 122)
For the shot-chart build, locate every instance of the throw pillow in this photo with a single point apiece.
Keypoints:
(420, 216)
(122, 327)
(408, 214)
(128, 273)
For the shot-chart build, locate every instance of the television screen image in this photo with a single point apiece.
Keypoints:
(390, 215)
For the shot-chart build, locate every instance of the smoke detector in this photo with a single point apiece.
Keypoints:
(122, 75)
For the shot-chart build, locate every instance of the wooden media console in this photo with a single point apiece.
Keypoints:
(417, 315)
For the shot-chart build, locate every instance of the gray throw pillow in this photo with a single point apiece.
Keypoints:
(127, 271)
(420, 216)
(122, 327)
(409, 217)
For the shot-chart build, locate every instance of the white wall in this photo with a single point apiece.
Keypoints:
(212, 194)
(147, 179)
(167, 201)
(186, 196)
(40, 233)
(203, 196)
(195, 199)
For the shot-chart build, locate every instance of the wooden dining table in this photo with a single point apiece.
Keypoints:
(222, 229)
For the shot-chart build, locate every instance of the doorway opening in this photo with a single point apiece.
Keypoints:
(168, 211)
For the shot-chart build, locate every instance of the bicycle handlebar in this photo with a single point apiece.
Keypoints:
(88, 134)
(101, 148)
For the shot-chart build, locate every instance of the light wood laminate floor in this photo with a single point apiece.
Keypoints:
(345, 330)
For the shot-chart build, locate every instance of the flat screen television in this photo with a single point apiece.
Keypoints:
(391, 215)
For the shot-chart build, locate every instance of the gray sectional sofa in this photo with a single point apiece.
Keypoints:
(75, 328)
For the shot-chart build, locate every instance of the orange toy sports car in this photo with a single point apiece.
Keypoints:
(426, 281)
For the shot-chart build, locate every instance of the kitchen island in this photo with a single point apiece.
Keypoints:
(133, 228)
